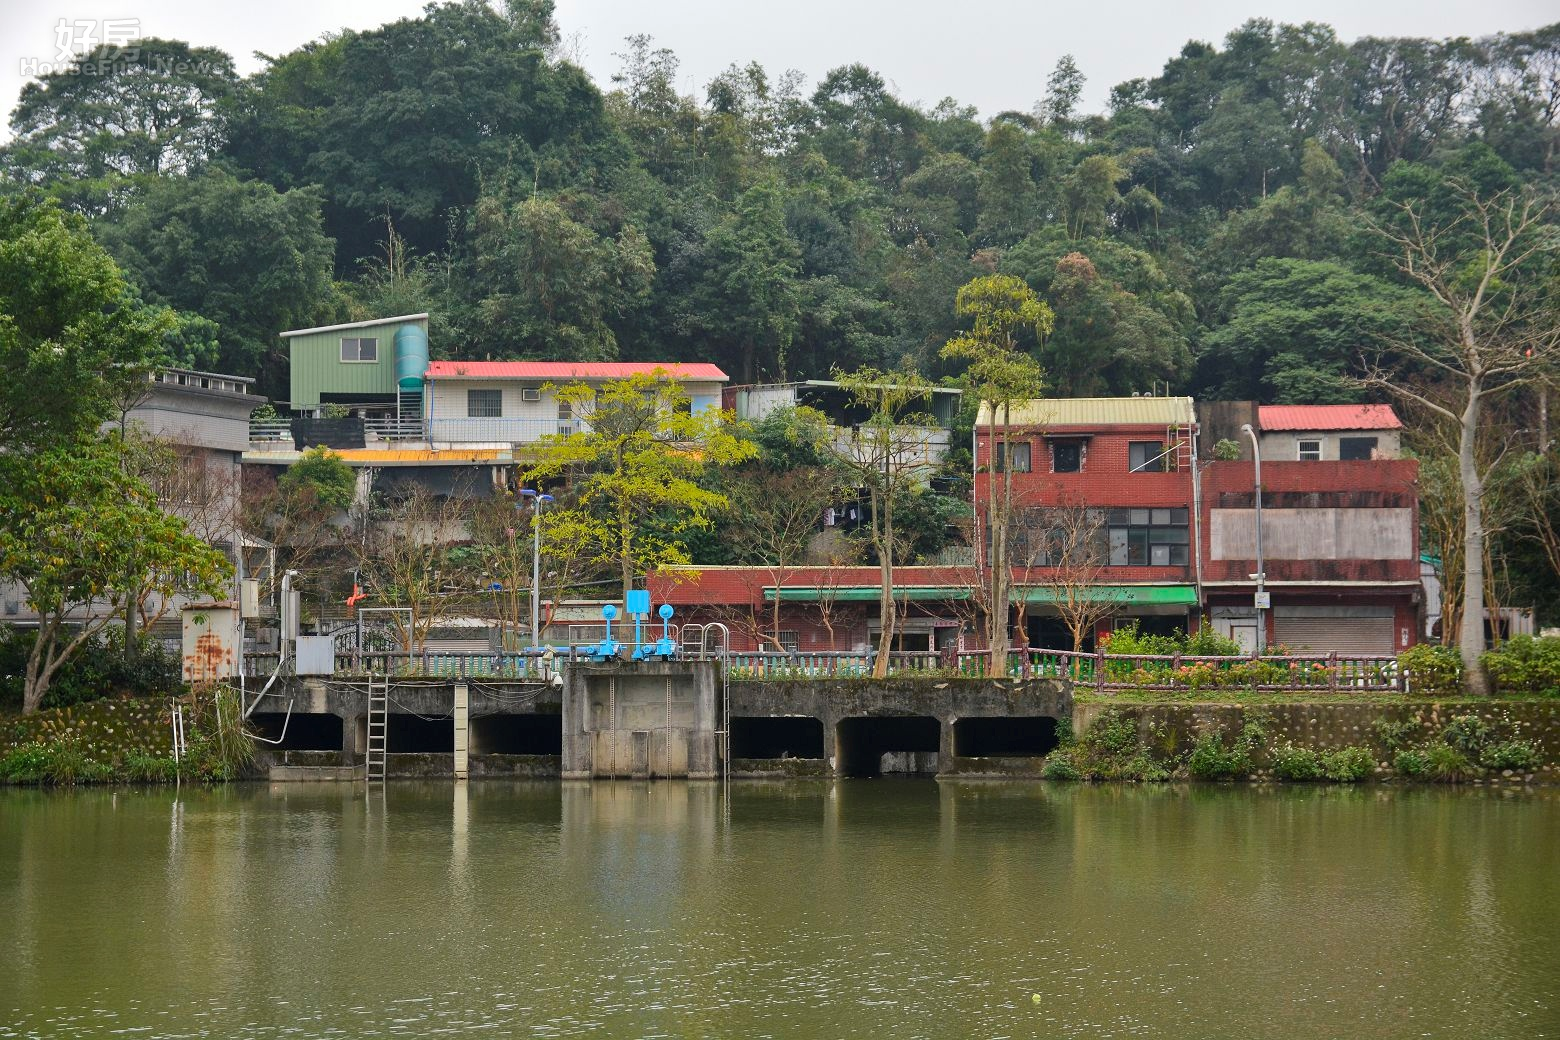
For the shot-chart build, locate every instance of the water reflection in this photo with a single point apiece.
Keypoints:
(796, 909)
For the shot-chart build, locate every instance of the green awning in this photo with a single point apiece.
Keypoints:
(1126, 595)
(862, 593)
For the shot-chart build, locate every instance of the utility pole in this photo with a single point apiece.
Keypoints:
(536, 499)
(1261, 598)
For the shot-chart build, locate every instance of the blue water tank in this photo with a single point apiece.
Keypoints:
(411, 356)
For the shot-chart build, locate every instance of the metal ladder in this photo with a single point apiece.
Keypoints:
(378, 732)
(1179, 448)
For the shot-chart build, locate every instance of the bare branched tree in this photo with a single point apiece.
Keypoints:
(1493, 332)
(405, 559)
(1069, 565)
(774, 516)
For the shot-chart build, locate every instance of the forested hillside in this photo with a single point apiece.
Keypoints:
(1284, 216)
(1208, 231)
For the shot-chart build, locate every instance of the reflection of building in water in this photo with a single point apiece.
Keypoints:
(643, 849)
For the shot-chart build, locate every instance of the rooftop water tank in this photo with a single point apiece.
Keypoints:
(411, 356)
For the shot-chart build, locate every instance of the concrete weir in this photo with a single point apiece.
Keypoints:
(665, 720)
(876, 727)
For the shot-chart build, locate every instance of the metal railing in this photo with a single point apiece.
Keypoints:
(393, 430)
(498, 430)
(1103, 673)
(270, 431)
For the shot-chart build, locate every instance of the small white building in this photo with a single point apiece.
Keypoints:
(1329, 432)
(515, 402)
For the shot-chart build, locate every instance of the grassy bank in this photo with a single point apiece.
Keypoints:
(125, 739)
(1333, 739)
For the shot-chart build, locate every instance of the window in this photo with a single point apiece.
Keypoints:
(789, 641)
(1310, 451)
(530, 393)
(1149, 537)
(1066, 456)
(1018, 451)
(1145, 457)
(360, 349)
(1356, 449)
(484, 404)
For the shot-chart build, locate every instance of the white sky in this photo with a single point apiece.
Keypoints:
(995, 55)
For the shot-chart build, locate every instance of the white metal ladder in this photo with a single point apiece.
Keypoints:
(378, 731)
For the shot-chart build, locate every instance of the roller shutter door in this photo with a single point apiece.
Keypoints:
(1355, 630)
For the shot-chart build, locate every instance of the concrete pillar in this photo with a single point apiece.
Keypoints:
(462, 727)
(945, 743)
(351, 738)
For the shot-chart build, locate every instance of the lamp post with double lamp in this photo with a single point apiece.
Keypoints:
(1261, 600)
(537, 500)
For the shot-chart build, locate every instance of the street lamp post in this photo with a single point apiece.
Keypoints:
(1261, 598)
(536, 499)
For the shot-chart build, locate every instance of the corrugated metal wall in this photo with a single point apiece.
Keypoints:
(316, 366)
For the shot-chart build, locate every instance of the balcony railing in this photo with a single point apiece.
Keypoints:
(393, 430)
(273, 433)
(498, 430)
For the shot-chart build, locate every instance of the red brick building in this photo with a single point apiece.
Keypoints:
(1173, 531)
(1127, 461)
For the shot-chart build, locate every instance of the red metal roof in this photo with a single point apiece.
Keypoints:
(1328, 417)
(745, 585)
(564, 370)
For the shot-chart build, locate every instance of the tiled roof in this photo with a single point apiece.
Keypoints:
(1328, 417)
(726, 585)
(556, 370)
(1099, 411)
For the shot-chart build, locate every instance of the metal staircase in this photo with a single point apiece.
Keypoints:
(378, 732)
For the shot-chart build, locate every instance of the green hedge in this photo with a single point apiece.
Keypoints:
(1525, 665)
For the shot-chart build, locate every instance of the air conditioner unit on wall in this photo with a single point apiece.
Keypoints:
(530, 393)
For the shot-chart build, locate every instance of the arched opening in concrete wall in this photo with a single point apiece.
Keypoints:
(879, 744)
(794, 736)
(1004, 736)
(517, 734)
(409, 735)
(304, 732)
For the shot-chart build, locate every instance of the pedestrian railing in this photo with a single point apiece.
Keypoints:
(1103, 673)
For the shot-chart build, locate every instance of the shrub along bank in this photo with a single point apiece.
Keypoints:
(126, 740)
(1340, 743)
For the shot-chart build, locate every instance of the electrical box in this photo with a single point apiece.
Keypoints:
(210, 644)
(316, 655)
(249, 598)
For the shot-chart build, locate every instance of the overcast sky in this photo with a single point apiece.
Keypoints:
(995, 56)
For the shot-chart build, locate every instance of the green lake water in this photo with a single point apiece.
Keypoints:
(852, 909)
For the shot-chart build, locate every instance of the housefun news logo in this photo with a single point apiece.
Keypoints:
(97, 46)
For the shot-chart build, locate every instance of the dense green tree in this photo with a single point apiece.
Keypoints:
(409, 120)
(747, 300)
(150, 108)
(70, 332)
(1121, 324)
(78, 530)
(543, 284)
(1297, 331)
(239, 253)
